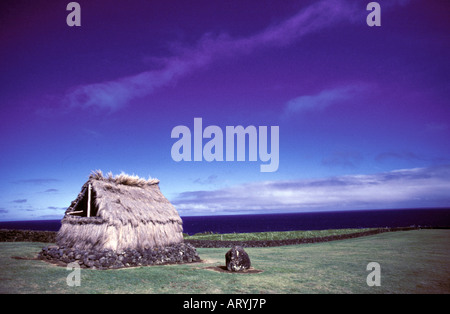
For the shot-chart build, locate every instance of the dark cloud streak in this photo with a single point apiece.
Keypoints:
(20, 201)
(38, 181)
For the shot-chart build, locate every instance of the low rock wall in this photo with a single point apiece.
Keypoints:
(9, 235)
(108, 259)
(271, 243)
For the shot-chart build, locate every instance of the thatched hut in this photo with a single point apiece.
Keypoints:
(120, 213)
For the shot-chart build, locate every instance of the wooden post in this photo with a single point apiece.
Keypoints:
(89, 201)
(76, 212)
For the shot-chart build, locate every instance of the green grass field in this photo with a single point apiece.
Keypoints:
(414, 261)
(278, 235)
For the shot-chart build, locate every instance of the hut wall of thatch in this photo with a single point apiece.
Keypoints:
(129, 213)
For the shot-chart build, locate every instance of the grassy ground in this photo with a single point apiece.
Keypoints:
(414, 261)
(279, 235)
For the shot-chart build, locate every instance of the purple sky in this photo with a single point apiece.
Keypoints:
(363, 112)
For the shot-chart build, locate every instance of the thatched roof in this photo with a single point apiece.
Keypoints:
(126, 212)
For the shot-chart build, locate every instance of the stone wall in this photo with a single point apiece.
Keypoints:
(108, 259)
(8, 235)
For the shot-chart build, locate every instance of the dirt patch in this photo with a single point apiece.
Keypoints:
(25, 258)
(223, 269)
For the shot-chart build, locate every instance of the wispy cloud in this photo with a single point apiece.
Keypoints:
(51, 190)
(409, 156)
(210, 180)
(56, 208)
(323, 99)
(37, 181)
(343, 159)
(20, 201)
(399, 155)
(418, 187)
(117, 93)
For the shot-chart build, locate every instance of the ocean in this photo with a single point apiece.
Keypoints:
(424, 217)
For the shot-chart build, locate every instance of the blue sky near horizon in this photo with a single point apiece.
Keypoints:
(363, 112)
